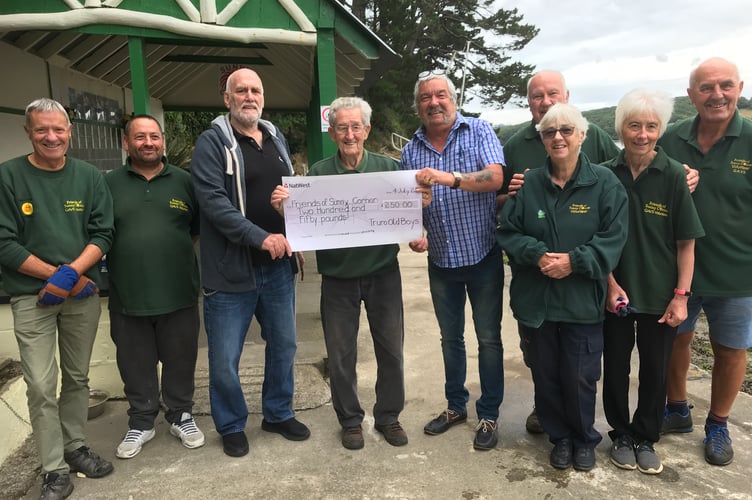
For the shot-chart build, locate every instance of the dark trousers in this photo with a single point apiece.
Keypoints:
(654, 343)
(381, 293)
(566, 366)
(142, 342)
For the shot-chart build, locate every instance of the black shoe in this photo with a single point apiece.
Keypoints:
(352, 437)
(584, 459)
(290, 429)
(677, 422)
(235, 444)
(87, 462)
(485, 435)
(532, 424)
(443, 422)
(561, 454)
(393, 433)
(56, 486)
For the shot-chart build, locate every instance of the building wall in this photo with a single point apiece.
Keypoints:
(97, 108)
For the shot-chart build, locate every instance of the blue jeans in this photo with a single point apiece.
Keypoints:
(227, 317)
(482, 283)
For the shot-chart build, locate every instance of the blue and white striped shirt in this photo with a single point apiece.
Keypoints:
(461, 224)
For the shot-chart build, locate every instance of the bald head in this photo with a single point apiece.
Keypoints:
(545, 89)
(244, 98)
(713, 64)
(714, 89)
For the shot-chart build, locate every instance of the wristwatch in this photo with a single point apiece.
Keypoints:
(679, 291)
(457, 180)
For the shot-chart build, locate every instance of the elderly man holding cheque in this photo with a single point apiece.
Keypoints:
(563, 233)
(655, 269)
(368, 274)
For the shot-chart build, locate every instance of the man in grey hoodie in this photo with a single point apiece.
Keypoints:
(247, 266)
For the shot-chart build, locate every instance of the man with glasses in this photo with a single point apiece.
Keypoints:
(350, 276)
(462, 158)
(247, 266)
(525, 150)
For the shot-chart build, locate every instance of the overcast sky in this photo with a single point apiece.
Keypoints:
(606, 48)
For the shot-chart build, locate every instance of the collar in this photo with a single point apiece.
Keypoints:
(360, 167)
(164, 171)
(459, 121)
(688, 129)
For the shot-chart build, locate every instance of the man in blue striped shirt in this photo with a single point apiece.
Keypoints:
(462, 158)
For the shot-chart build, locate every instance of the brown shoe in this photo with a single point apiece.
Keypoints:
(444, 421)
(393, 433)
(352, 437)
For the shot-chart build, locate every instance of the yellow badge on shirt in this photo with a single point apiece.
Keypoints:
(27, 208)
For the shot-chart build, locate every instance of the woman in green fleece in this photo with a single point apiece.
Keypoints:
(563, 233)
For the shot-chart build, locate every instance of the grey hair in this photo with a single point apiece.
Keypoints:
(350, 103)
(563, 114)
(450, 86)
(558, 73)
(45, 105)
(639, 101)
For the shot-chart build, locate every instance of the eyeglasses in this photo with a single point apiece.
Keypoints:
(434, 72)
(550, 133)
(342, 129)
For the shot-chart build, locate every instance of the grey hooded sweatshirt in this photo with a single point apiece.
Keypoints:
(219, 183)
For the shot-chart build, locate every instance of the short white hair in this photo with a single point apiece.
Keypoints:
(638, 101)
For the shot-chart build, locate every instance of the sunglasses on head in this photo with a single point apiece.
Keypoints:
(434, 72)
(550, 133)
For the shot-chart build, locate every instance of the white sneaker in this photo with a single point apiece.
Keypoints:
(187, 431)
(133, 441)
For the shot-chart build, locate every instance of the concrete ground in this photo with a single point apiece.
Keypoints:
(444, 466)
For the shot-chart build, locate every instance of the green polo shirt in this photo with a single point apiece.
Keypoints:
(357, 262)
(152, 263)
(525, 150)
(661, 211)
(723, 258)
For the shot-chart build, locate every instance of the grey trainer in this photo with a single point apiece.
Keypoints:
(648, 461)
(623, 453)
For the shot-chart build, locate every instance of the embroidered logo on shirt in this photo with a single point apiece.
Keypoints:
(579, 208)
(541, 214)
(655, 208)
(27, 208)
(739, 166)
(74, 206)
(179, 205)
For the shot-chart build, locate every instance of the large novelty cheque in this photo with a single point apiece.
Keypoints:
(352, 210)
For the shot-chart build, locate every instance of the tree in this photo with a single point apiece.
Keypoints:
(430, 35)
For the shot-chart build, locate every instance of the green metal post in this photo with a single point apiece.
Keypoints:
(139, 81)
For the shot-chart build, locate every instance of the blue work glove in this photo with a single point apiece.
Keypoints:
(84, 288)
(58, 286)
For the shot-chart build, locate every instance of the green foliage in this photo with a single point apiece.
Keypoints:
(182, 128)
(181, 131)
(434, 34)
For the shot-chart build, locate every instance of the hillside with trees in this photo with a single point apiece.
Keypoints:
(604, 117)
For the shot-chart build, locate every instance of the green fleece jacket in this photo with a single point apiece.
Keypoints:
(588, 219)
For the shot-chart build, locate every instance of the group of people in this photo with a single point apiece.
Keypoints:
(607, 253)
(601, 245)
